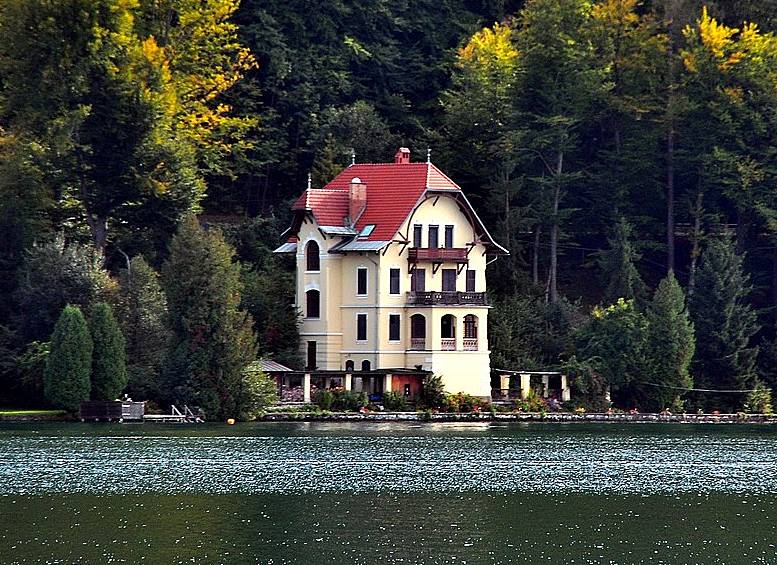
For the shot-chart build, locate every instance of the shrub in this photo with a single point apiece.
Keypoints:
(432, 392)
(461, 402)
(258, 392)
(340, 400)
(759, 401)
(324, 399)
(532, 403)
(394, 401)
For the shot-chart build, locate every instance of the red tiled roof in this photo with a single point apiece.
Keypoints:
(393, 190)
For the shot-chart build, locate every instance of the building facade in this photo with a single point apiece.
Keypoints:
(391, 274)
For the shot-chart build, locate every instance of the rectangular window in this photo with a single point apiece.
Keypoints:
(418, 280)
(434, 237)
(449, 236)
(394, 281)
(361, 281)
(448, 280)
(470, 280)
(393, 327)
(311, 355)
(418, 234)
(361, 327)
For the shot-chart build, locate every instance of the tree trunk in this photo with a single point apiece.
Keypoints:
(670, 139)
(535, 266)
(696, 237)
(553, 290)
(98, 225)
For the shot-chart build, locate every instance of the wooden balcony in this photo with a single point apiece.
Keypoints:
(437, 255)
(447, 298)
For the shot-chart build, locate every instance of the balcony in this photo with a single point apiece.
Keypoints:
(470, 344)
(418, 343)
(448, 344)
(437, 255)
(447, 298)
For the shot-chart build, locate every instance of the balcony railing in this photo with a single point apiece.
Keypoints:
(470, 344)
(437, 254)
(448, 344)
(418, 343)
(447, 298)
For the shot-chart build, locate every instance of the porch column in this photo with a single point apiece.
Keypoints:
(525, 384)
(566, 394)
(348, 378)
(387, 383)
(545, 386)
(306, 388)
(504, 385)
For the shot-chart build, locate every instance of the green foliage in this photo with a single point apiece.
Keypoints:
(340, 400)
(31, 371)
(725, 325)
(141, 308)
(759, 400)
(259, 391)
(532, 403)
(109, 360)
(67, 377)
(669, 347)
(394, 401)
(432, 392)
(54, 274)
(617, 264)
(613, 345)
(213, 339)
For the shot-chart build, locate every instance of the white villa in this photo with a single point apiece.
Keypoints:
(391, 280)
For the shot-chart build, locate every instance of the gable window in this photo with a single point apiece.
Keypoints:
(393, 327)
(418, 280)
(312, 304)
(361, 281)
(470, 280)
(449, 236)
(312, 258)
(418, 234)
(361, 327)
(394, 280)
(434, 237)
(449, 280)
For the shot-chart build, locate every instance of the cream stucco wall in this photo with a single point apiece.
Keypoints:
(335, 330)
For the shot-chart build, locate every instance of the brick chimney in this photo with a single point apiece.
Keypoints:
(402, 156)
(357, 200)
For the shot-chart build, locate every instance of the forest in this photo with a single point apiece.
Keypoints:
(621, 150)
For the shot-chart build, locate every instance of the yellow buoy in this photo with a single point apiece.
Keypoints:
(231, 421)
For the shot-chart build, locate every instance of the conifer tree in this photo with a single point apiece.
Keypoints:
(669, 346)
(725, 324)
(66, 383)
(142, 313)
(620, 275)
(109, 360)
(213, 339)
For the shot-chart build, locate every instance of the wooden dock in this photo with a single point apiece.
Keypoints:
(175, 416)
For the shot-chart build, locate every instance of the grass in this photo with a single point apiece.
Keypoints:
(15, 412)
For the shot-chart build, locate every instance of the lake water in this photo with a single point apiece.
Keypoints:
(392, 493)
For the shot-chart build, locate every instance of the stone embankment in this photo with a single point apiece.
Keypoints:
(549, 417)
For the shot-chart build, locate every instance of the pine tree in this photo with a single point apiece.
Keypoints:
(109, 360)
(142, 313)
(213, 340)
(669, 346)
(69, 364)
(619, 273)
(725, 325)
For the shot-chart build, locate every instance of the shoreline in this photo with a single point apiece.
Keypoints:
(548, 418)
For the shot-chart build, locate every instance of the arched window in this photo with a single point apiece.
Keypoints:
(312, 304)
(470, 326)
(313, 261)
(448, 327)
(417, 332)
(366, 365)
(349, 365)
